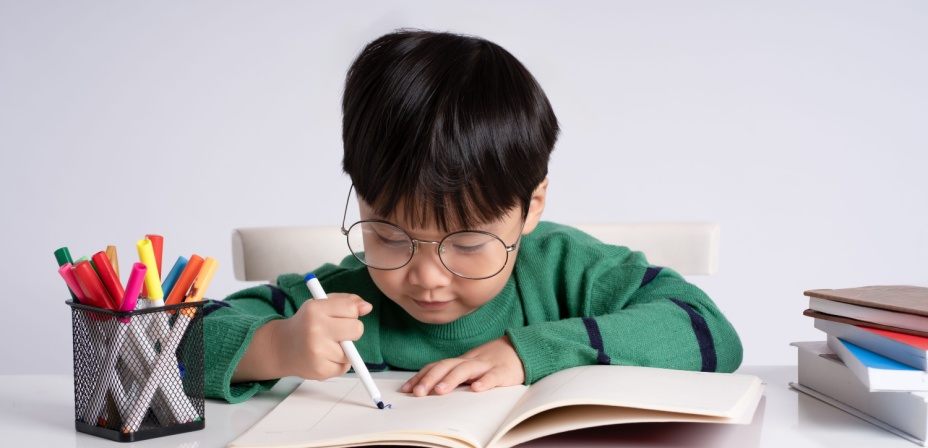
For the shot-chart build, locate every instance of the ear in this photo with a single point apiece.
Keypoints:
(535, 207)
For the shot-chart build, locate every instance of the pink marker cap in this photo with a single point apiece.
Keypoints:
(71, 280)
(133, 288)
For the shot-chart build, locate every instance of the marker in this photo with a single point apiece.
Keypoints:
(109, 277)
(71, 280)
(157, 246)
(203, 278)
(168, 284)
(152, 278)
(92, 286)
(114, 260)
(63, 256)
(133, 288)
(185, 281)
(356, 362)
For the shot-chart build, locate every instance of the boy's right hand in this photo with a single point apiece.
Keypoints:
(308, 341)
(306, 344)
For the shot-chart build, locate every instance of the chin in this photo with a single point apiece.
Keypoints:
(435, 319)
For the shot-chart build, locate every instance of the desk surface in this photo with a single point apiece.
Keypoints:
(38, 410)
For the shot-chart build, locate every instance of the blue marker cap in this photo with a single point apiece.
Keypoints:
(172, 277)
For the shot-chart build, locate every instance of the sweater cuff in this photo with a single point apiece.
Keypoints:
(547, 347)
(224, 349)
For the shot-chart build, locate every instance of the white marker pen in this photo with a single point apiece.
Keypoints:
(315, 288)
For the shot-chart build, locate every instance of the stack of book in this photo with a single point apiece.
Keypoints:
(873, 361)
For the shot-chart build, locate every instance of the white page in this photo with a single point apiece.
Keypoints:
(632, 394)
(339, 411)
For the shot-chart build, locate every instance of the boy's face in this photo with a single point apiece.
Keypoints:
(430, 292)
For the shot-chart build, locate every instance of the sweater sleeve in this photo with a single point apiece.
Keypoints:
(630, 313)
(229, 326)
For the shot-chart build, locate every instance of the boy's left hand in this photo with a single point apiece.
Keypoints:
(490, 365)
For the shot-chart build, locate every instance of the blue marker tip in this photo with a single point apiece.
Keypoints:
(309, 276)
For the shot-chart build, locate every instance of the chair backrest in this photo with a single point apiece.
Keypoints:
(263, 253)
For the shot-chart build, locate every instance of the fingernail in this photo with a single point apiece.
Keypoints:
(420, 389)
(441, 386)
(476, 385)
(405, 387)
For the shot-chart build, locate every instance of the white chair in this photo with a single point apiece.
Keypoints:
(262, 253)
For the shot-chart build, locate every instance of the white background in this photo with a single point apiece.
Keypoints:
(799, 126)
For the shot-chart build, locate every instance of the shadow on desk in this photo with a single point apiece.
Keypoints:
(676, 434)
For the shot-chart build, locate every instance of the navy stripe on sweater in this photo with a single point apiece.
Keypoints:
(213, 305)
(650, 274)
(278, 298)
(703, 336)
(376, 367)
(596, 340)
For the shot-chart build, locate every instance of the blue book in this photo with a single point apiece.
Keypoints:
(877, 372)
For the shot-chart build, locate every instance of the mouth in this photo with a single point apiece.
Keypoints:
(432, 306)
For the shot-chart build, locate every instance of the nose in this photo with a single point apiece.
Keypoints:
(426, 269)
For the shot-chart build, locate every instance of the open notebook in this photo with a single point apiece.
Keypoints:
(338, 412)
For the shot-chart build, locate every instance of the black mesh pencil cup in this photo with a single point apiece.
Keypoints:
(138, 375)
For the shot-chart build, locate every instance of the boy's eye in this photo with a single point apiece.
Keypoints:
(386, 236)
(467, 250)
(468, 243)
(393, 242)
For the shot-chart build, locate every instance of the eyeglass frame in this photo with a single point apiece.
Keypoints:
(415, 242)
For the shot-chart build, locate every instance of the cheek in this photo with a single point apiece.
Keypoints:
(479, 292)
(389, 282)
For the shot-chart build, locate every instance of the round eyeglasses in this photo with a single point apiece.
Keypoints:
(471, 254)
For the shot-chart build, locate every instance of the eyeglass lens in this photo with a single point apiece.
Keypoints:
(468, 254)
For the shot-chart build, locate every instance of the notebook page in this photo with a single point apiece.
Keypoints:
(340, 412)
(701, 396)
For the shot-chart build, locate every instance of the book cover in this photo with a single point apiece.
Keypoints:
(337, 412)
(899, 298)
(877, 372)
(822, 375)
(902, 306)
(908, 349)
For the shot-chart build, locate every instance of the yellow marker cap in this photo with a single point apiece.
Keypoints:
(152, 276)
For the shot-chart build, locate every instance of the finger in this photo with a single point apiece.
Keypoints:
(344, 306)
(345, 329)
(490, 379)
(462, 373)
(438, 371)
(412, 382)
(325, 370)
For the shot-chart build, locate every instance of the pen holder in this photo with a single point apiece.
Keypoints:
(140, 374)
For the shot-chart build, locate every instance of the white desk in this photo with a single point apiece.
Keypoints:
(38, 410)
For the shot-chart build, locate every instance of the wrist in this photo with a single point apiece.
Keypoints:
(264, 355)
(276, 348)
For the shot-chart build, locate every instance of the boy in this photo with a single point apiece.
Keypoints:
(453, 275)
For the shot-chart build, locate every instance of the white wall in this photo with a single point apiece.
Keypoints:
(799, 126)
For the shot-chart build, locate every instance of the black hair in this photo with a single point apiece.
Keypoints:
(454, 127)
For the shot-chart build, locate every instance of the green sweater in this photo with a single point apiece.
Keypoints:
(571, 300)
